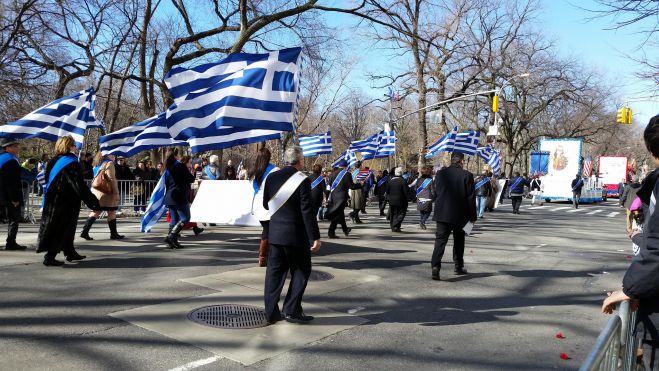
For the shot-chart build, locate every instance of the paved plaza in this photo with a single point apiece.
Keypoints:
(126, 306)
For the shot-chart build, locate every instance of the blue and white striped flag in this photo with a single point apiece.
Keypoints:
(349, 156)
(217, 104)
(387, 145)
(467, 142)
(145, 135)
(156, 208)
(444, 144)
(70, 115)
(491, 156)
(313, 145)
(41, 177)
(367, 147)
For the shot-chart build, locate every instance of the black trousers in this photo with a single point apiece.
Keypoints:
(13, 215)
(575, 199)
(444, 230)
(397, 216)
(382, 203)
(517, 202)
(281, 260)
(339, 218)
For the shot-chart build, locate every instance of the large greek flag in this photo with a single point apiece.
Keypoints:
(443, 144)
(387, 144)
(70, 115)
(313, 145)
(157, 207)
(349, 156)
(145, 135)
(217, 104)
(367, 147)
(467, 142)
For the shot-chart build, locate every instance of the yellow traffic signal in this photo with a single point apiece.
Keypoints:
(495, 103)
(629, 116)
(621, 118)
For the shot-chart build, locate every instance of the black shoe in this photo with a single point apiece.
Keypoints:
(347, 231)
(332, 235)
(397, 230)
(52, 262)
(358, 221)
(460, 271)
(14, 246)
(172, 243)
(197, 231)
(73, 257)
(435, 273)
(276, 319)
(422, 226)
(116, 237)
(301, 318)
(86, 236)
(383, 214)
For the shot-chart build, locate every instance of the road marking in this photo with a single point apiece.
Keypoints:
(537, 207)
(613, 214)
(594, 212)
(574, 211)
(561, 208)
(195, 364)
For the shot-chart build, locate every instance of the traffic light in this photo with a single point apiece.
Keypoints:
(495, 103)
(624, 116)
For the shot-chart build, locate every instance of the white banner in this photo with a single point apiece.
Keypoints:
(224, 202)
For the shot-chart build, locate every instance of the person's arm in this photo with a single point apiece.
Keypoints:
(73, 175)
(351, 184)
(14, 186)
(471, 198)
(308, 215)
(266, 194)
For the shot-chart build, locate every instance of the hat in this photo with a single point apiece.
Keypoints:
(213, 159)
(342, 163)
(6, 142)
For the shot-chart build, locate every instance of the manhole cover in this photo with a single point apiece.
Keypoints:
(231, 316)
(320, 276)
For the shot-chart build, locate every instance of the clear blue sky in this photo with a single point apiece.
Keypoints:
(574, 34)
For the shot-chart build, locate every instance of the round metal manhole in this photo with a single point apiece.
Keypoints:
(229, 316)
(320, 276)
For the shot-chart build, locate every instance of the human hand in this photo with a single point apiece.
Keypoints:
(633, 233)
(316, 246)
(15, 203)
(612, 300)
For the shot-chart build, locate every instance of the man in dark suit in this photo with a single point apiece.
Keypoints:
(317, 187)
(340, 182)
(380, 190)
(293, 235)
(455, 205)
(398, 193)
(11, 192)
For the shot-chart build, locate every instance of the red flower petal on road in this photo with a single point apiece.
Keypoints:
(559, 335)
(629, 257)
(564, 356)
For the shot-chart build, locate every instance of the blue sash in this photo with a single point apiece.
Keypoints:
(580, 182)
(381, 182)
(256, 186)
(423, 186)
(355, 174)
(515, 184)
(209, 173)
(338, 179)
(98, 167)
(63, 162)
(6, 157)
(481, 183)
(316, 182)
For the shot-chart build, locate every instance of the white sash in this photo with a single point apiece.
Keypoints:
(285, 192)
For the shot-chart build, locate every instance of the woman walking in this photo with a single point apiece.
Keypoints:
(177, 183)
(262, 168)
(106, 190)
(63, 191)
(425, 195)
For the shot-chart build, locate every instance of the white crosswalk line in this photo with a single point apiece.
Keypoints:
(574, 210)
(611, 215)
(538, 207)
(594, 212)
(561, 208)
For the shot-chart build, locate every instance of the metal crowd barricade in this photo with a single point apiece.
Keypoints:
(133, 194)
(616, 346)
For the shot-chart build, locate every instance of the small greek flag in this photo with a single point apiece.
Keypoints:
(387, 144)
(70, 115)
(443, 144)
(156, 208)
(145, 135)
(367, 147)
(467, 142)
(491, 156)
(313, 145)
(41, 176)
(349, 156)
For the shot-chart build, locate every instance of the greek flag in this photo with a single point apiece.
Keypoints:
(387, 145)
(313, 145)
(244, 98)
(491, 156)
(367, 147)
(145, 135)
(467, 142)
(41, 176)
(444, 144)
(70, 115)
(157, 207)
(349, 156)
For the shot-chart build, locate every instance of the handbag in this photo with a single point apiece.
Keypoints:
(101, 182)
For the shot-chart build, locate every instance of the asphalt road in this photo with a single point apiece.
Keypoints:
(530, 276)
